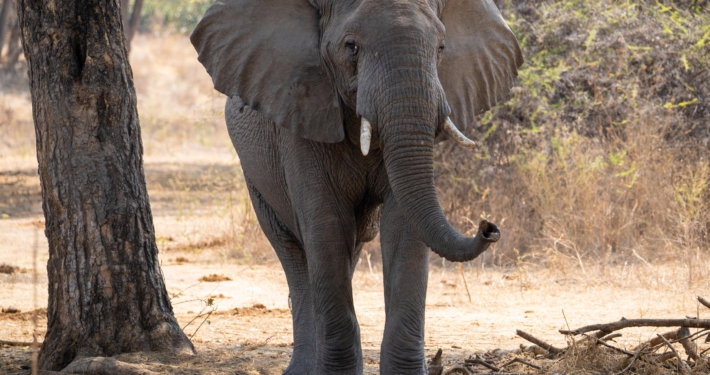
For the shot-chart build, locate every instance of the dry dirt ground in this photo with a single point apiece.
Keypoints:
(249, 330)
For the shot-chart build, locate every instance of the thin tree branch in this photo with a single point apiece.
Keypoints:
(704, 302)
(520, 360)
(480, 361)
(538, 342)
(680, 362)
(633, 360)
(626, 323)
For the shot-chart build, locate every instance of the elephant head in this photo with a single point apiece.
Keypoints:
(408, 69)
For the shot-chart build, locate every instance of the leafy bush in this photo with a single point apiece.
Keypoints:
(602, 150)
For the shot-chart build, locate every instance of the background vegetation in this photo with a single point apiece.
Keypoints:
(599, 157)
(601, 153)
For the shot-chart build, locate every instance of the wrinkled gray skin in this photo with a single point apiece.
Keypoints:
(299, 76)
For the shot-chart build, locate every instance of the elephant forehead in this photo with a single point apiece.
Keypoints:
(390, 16)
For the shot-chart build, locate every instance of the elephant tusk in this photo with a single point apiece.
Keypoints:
(456, 135)
(365, 136)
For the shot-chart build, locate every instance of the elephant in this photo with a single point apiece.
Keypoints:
(334, 108)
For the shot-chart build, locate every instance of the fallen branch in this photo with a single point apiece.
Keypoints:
(704, 302)
(652, 343)
(601, 342)
(538, 342)
(626, 323)
(680, 362)
(534, 349)
(689, 346)
(611, 337)
(435, 364)
(479, 361)
(633, 360)
(520, 360)
(601, 336)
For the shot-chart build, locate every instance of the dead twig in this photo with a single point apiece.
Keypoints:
(480, 361)
(435, 364)
(465, 283)
(680, 362)
(610, 337)
(704, 302)
(626, 323)
(652, 343)
(534, 349)
(600, 342)
(633, 360)
(689, 346)
(520, 360)
(538, 342)
(260, 344)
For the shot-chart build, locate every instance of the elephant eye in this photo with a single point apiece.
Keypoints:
(352, 47)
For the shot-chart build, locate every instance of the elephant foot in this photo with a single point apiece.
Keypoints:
(299, 368)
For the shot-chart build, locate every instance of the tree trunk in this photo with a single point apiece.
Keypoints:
(135, 21)
(4, 20)
(125, 4)
(14, 48)
(106, 290)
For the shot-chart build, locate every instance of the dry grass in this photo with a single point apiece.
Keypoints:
(600, 157)
(182, 121)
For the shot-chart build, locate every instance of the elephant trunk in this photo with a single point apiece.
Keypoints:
(407, 116)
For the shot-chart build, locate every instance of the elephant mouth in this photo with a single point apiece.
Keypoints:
(449, 128)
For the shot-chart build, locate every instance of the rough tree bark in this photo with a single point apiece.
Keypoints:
(106, 290)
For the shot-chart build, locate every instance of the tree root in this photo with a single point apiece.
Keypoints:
(104, 366)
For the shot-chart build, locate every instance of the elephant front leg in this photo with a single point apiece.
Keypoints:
(406, 266)
(293, 261)
(303, 360)
(337, 331)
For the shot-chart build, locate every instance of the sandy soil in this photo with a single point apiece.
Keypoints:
(249, 329)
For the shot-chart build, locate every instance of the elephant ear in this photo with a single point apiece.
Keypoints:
(480, 61)
(267, 52)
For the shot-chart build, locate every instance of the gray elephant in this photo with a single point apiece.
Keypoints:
(334, 108)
